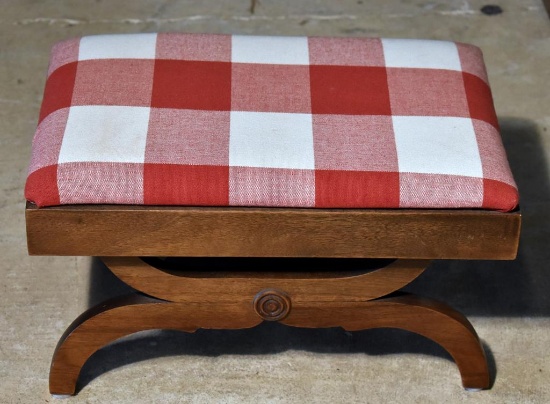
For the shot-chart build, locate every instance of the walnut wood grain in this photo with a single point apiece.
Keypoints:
(119, 317)
(102, 230)
(123, 233)
(235, 287)
(426, 317)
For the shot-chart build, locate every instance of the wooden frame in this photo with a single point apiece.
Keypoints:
(110, 230)
(168, 298)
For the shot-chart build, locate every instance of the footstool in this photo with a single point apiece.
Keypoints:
(235, 179)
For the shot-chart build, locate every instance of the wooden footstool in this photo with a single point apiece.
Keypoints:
(334, 168)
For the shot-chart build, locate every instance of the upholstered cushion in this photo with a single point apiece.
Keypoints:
(180, 119)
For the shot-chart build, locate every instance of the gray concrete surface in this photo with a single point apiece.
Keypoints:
(507, 302)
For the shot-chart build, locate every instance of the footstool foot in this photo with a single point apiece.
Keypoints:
(127, 315)
(239, 300)
(427, 317)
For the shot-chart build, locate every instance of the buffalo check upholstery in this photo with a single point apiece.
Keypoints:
(213, 120)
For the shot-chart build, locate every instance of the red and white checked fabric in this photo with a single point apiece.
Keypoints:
(186, 119)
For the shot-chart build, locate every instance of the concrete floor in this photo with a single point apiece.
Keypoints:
(507, 302)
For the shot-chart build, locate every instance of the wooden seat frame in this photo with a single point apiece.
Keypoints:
(187, 300)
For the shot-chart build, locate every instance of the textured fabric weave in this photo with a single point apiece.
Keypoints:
(182, 119)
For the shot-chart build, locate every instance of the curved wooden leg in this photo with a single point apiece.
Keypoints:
(123, 316)
(434, 320)
(232, 301)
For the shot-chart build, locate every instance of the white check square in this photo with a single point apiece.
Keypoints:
(268, 139)
(105, 134)
(437, 145)
(421, 53)
(284, 50)
(125, 46)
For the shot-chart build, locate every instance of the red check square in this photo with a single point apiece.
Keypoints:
(491, 152)
(193, 47)
(498, 195)
(41, 187)
(261, 186)
(270, 88)
(100, 182)
(356, 189)
(349, 90)
(48, 139)
(174, 184)
(59, 90)
(480, 99)
(192, 85)
(440, 191)
(427, 92)
(125, 82)
(346, 51)
(354, 142)
(186, 136)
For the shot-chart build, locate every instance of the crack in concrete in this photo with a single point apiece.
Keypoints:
(75, 21)
(464, 11)
(8, 101)
(456, 13)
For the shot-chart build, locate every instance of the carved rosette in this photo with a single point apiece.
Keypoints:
(272, 305)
